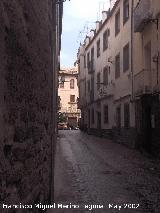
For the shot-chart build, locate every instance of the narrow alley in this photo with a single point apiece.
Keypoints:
(95, 171)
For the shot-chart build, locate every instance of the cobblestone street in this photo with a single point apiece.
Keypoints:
(94, 171)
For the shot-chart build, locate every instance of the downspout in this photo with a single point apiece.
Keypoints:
(52, 105)
(132, 74)
(158, 55)
(53, 97)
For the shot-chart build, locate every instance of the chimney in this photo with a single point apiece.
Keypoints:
(92, 33)
(87, 40)
(104, 15)
(97, 26)
(112, 3)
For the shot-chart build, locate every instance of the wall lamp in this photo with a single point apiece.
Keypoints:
(60, 1)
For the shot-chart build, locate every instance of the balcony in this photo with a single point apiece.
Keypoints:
(110, 88)
(143, 83)
(70, 110)
(106, 90)
(142, 15)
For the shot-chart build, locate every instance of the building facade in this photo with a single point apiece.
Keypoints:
(68, 95)
(112, 72)
(147, 73)
(105, 76)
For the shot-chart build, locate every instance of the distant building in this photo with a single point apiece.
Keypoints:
(68, 95)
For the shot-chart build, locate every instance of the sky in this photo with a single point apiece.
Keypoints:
(77, 16)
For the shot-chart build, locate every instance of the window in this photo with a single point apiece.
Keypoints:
(59, 102)
(106, 114)
(72, 84)
(61, 85)
(92, 116)
(105, 39)
(92, 89)
(72, 98)
(88, 85)
(126, 58)
(98, 81)
(92, 59)
(84, 61)
(92, 54)
(118, 117)
(105, 76)
(117, 23)
(88, 60)
(98, 48)
(126, 115)
(92, 83)
(125, 11)
(117, 66)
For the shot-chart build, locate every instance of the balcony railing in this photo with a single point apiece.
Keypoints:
(106, 90)
(110, 89)
(69, 110)
(142, 14)
(143, 82)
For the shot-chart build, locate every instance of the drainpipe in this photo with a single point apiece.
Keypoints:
(53, 41)
(158, 55)
(132, 31)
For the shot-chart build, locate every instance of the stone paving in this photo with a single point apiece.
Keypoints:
(95, 171)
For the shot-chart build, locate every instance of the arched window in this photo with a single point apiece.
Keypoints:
(72, 84)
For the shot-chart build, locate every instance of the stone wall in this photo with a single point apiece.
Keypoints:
(155, 118)
(125, 136)
(26, 100)
(105, 133)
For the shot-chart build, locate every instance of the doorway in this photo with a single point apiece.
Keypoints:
(99, 121)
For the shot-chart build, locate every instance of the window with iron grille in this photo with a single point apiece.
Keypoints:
(72, 84)
(106, 117)
(72, 98)
(126, 57)
(98, 48)
(105, 76)
(117, 22)
(125, 11)
(117, 66)
(98, 81)
(126, 115)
